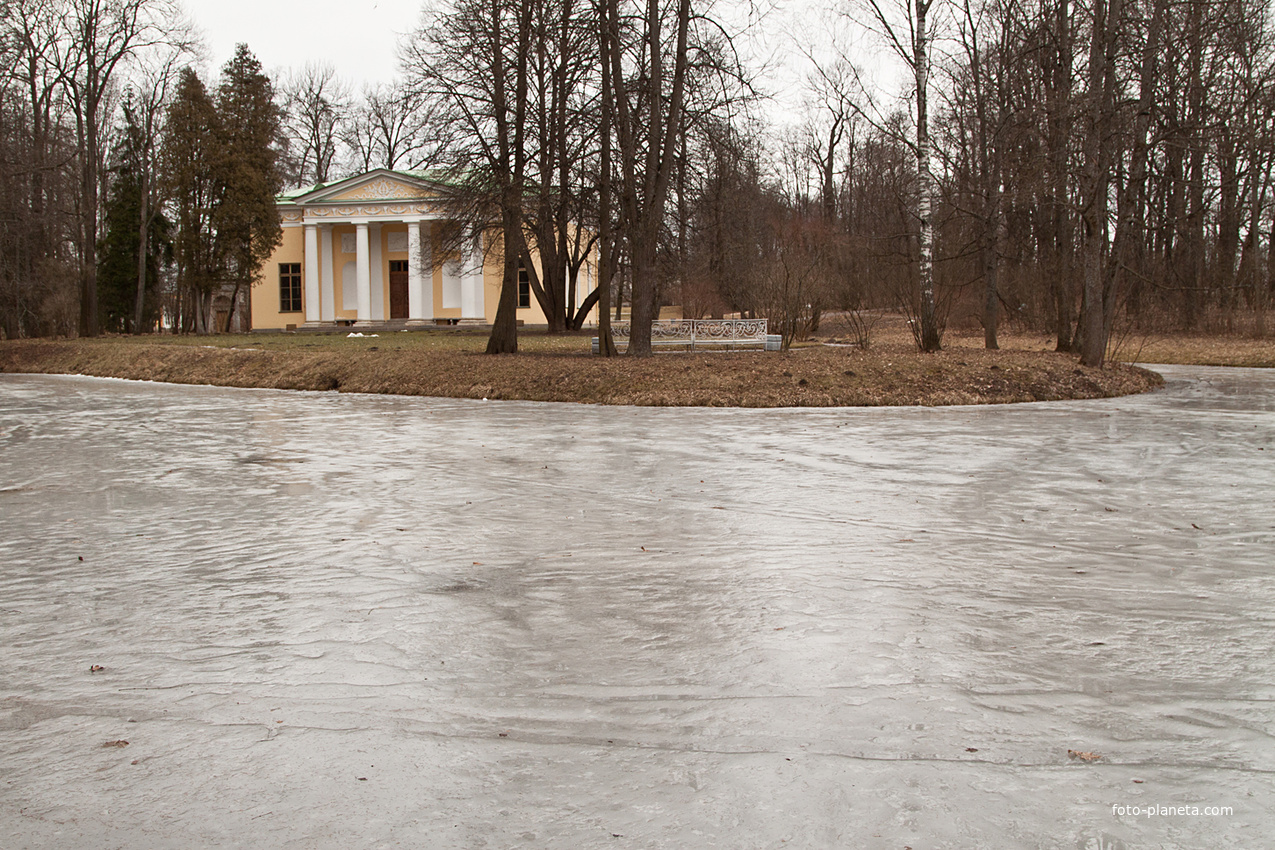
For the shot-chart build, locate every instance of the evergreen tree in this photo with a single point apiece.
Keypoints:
(191, 182)
(222, 163)
(247, 163)
(118, 260)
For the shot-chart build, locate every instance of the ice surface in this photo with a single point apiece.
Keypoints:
(339, 621)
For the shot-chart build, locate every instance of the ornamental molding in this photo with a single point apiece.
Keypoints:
(361, 210)
(380, 190)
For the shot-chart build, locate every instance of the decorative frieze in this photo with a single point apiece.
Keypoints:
(365, 211)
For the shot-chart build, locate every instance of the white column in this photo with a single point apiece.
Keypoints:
(419, 310)
(413, 270)
(453, 271)
(426, 230)
(327, 300)
(471, 285)
(311, 274)
(377, 282)
(480, 285)
(364, 270)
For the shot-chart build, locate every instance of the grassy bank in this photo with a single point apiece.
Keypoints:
(451, 364)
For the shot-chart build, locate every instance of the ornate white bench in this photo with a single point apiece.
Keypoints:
(727, 333)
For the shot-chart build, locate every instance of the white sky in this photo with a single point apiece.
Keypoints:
(359, 37)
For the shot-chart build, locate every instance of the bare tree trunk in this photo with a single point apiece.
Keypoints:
(1227, 246)
(606, 342)
(991, 296)
(504, 330)
(1096, 177)
(89, 163)
(1063, 283)
(985, 85)
(143, 246)
(1262, 286)
(648, 120)
(1193, 222)
(512, 162)
(642, 303)
(1251, 277)
(234, 304)
(1130, 232)
(203, 313)
(930, 337)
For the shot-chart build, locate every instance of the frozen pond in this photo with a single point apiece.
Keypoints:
(335, 621)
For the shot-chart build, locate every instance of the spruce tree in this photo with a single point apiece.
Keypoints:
(117, 258)
(189, 152)
(247, 163)
(221, 159)
(117, 252)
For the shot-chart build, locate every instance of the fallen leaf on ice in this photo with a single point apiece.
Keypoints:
(1076, 754)
(115, 744)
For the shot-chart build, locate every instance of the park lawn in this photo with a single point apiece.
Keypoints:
(450, 363)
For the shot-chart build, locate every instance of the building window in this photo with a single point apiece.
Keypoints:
(290, 288)
(524, 287)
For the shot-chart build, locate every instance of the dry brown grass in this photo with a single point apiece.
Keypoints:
(451, 364)
(1127, 347)
(1199, 350)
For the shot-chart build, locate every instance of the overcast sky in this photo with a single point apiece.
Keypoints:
(358, 36)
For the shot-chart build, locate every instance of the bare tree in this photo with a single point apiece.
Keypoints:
(151, 87)
(100, 36)
(606, 342)
(316, 105)
(910, 38)
(562, 123)
(33, 169)
(981, 99)
(833, 113)
(1095, 179)
(385, 129)
(649, 79)
(471, 65)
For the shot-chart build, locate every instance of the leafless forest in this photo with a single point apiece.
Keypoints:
(1084, 168)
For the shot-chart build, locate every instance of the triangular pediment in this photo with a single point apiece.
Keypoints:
(379, 185)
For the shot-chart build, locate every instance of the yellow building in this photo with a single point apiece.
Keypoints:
(364, 252)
